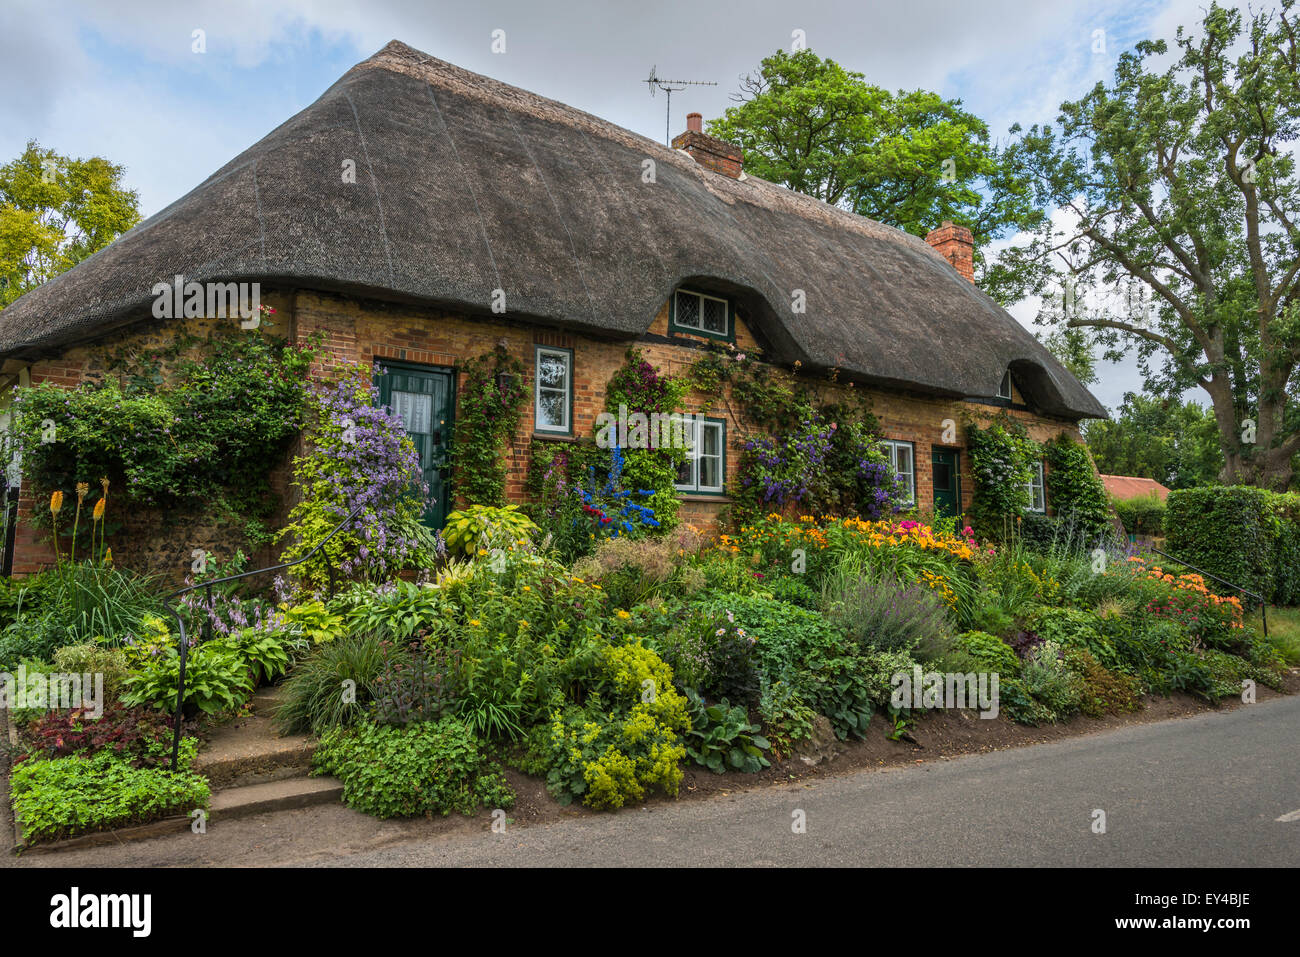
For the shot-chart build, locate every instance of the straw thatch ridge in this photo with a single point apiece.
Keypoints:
(465, 185)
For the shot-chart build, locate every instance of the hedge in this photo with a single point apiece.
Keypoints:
(1249, 536)
(1143, 515)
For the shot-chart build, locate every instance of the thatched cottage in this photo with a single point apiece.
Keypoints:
(479, 213)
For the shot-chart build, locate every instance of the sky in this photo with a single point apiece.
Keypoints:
(126, 80)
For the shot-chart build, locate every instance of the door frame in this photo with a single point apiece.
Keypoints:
(420, 368)
(956, 450)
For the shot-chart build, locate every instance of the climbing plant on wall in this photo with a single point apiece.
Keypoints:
(197, 423)
(1073, 486)
(1002, 457)
(359, 456)
(642, 388)
(487, 417)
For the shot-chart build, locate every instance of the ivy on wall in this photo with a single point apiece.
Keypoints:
(1002, 457)
(198, 423)
(1074, 490)
(487, 417)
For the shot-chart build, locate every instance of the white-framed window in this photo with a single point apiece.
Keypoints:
(1037, 490)
(702, 313)
(705, 468)
(1004, 388)
(902, 456)
(553, 392)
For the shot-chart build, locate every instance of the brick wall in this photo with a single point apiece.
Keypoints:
(350, 330)
(412, 335)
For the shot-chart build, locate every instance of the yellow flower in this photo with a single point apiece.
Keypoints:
(475, 622)
(103, 483)
(98, 513)
(528, 588)
(56, 503)
(623, 614)
(523, 622)
(82, 490)
(108, 556)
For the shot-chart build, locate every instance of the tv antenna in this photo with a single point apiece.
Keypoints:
(670, 87)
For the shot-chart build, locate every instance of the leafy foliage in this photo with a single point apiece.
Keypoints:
(360, 457)
(410, 770)
(487, 415)
(54, 212)
(66, 796)
(910, 159)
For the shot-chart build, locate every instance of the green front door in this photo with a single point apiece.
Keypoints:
(423, 399)
(947, 481)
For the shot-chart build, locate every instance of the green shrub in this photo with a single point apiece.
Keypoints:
(786, 718)
(410, 770)
(1103, 692)
(216, 679)
(64, 797)
(1074, 489)
(1230, 532)
(1049, 679)
(94, 659)
(722, 738)
(480, 527)
(609, 760)
(1142, 515)
(884, 614)
(990, 651)
(1072, 628)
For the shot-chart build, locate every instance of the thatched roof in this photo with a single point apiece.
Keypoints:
(465, 185)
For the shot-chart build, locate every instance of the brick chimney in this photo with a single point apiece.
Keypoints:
(716, 154)
(957, 245)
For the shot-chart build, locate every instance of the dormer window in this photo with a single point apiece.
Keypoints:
(1004, 389)
(701, 314)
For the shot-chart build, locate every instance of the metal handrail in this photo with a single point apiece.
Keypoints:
(1263, 605)
(205, 631)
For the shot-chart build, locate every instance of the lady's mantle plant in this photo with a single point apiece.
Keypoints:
(360, 456)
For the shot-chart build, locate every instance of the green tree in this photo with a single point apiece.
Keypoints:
(1073, 349)
(54, 212)
(1174, 442)
(910, 159)
(1178, 195)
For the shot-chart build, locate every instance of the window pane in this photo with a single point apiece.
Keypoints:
(710, 472)
(551, 409)
(686, 473)
(552, 371)
(688, 310)
(903, 459)
(712, 436)
(415, 410)
(715, 316)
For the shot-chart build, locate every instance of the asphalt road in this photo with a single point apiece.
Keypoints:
(1199, 791)
(1196, 792)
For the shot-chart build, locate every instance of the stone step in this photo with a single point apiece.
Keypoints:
(251, 750)
(249, 799)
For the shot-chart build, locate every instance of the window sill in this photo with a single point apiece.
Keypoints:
(555, 436)
(720, 498)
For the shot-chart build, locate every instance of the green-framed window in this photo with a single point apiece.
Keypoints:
(702, 314)
(705, 470)
(553, 390)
